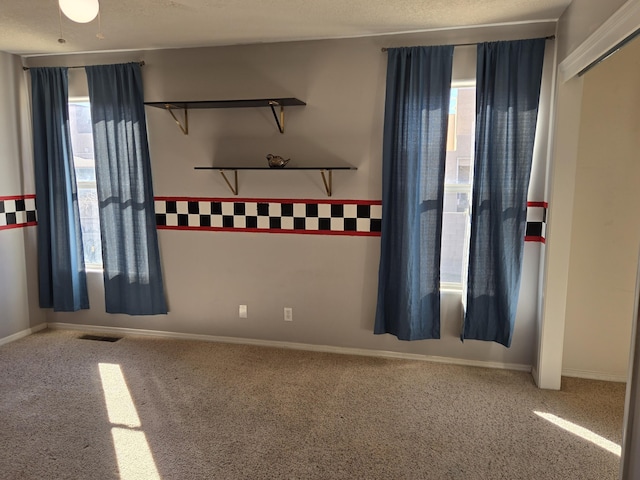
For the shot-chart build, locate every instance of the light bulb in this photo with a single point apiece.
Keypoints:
(80, 11)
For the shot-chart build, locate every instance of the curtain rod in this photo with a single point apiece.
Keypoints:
(550, 37)
(141, 63)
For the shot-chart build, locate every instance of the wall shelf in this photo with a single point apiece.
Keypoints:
(257, 102)
(325, 171)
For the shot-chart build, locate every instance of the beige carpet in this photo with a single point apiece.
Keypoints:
(197, 410)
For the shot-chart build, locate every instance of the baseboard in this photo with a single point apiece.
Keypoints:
(22, 334)
(291, 345)
(567, 372)
(589, 375)
(534, 374)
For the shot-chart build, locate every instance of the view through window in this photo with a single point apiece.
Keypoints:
(457, 189)
(82, 145)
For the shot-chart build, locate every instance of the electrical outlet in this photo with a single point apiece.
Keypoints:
(288, 314)
(242, 311)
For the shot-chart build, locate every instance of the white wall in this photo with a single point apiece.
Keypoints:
(582, 19)
(606, 226)
(330, 281)
(18, 307)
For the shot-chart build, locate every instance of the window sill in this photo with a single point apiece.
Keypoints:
(451, 287)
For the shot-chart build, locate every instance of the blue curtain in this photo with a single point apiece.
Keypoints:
(413, 165)
(62, 275)
(507, 94)
(132, 273)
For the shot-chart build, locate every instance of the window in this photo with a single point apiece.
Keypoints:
(82, 145)
(457, 189)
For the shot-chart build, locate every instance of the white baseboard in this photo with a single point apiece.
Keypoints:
(568, 372)
(291, 345)
(534, 374)
(22, 334)
(589, 375)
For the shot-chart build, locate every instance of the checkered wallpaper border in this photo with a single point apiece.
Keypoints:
(17, 211)
(319, 217)
(536, 222)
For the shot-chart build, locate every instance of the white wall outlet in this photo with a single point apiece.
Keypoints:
(242, 311)
(288, 314)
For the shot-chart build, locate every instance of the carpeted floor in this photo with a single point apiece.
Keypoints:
(197, 410)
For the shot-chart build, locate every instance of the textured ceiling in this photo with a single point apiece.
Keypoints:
(29, 27)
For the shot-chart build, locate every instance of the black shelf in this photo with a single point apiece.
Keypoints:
(256, 102)
(325, 171)
(275, 168)
(244, 103)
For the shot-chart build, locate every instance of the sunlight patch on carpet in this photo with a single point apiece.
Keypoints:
(582, 432)
(120, 405)
(135, 460)
(133, 453)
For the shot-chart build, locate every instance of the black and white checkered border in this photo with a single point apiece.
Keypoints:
(17, 211)
(348, 217)
(333, 217)
(536, 222)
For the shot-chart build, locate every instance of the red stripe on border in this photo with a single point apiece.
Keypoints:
(18, 225)
(260, 200)
(291, 200)
(267, 200)
(273, 230)
(532, 238)
(18, 197)
(529, 238)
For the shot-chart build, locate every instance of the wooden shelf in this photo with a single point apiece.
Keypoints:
(276, 169)
(244, 103)
(259, 102)
(325, 171)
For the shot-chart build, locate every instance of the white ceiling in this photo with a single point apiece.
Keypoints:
(31, 27)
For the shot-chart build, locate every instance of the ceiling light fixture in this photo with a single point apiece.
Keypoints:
(80, 11)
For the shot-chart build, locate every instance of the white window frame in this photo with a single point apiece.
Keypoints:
(85, 184)
(462, 188)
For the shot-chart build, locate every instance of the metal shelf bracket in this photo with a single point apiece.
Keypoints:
(185, 128)
(327, 185)
(233, 188)
(279, 119)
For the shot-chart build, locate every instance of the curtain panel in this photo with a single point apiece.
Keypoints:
(131, 258)
(413, 166)
(61, 269)
(509, 76)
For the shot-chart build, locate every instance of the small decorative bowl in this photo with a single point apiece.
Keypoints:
(276, 161)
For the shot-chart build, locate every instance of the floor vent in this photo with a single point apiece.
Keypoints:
(99, 338)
